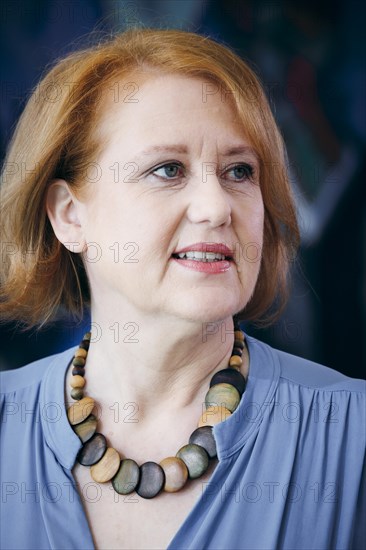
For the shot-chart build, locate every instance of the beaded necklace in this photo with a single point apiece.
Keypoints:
(191, 461)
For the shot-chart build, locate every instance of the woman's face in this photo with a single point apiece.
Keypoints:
(176, 170)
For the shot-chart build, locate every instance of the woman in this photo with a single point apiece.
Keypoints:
(158, 196)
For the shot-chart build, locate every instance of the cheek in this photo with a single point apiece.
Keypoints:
(109, 221)
(252, 223)
(126, 239)
(250, 235)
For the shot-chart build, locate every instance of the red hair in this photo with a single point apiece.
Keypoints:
(55, 137)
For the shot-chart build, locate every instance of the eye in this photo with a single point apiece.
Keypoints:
(241, 172)
(168, 171)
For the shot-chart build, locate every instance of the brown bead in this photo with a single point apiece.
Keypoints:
(77, 394)
(93, 450)
(77, 412)
(235, 368)
(229, 376)
(239, 344)
(235, 361)
(213, 415)
(84, 344)
(176, 473)
(87, 336)
(78, 362)
(107, 466)
(81, 353)
(239, 335)
(195, 458)
(86, 429)
(224, 395)
(127, 477)
(77, 381)
(237, 351)
(78, 370)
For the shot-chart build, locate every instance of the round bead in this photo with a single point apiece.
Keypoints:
(237, 351)
(77, 412)
(78, 370)
(230, 376)
(77, 381)
(223, 394)
(86, 429)
(204, 438)
(93, 450)
(239, 344)
(235, 361)
(213, 416)
(195, 458)
(127, 477)
(87, 336)
(239, 335)
(78, 361)
(77, 393)
(81, 353)
(152, 480)
(107, 466)
(176, 473)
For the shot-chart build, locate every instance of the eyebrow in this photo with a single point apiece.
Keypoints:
(182, 149)
(239, 150)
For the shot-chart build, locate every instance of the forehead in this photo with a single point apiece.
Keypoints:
(154, 101)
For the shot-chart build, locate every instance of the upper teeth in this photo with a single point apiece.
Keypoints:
(201, 255)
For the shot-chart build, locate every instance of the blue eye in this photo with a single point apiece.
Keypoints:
(241, 171)
(170, 170)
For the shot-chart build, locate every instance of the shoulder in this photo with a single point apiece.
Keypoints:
(306, 373)
(32, 410)
(30, 374)
(314, 375)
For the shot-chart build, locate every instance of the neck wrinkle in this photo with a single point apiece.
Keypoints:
(174, 373)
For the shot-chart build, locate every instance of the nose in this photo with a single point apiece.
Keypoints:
(209, 202)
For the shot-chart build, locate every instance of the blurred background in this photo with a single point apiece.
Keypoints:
(310, 56)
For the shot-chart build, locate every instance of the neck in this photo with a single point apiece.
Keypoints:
(155, 363)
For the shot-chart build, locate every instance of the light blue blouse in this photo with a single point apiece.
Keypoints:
(290, 474)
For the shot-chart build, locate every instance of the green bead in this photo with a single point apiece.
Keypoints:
(195, 458)
(77, 393)
(223, 395)
(86, 429)
(127, 477)
(78, 362)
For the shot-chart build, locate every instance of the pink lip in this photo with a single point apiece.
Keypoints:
(216, 248)
(205, 267)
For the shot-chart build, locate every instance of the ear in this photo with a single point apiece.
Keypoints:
(63, 211)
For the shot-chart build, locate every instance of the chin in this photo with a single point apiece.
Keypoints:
(208, 311)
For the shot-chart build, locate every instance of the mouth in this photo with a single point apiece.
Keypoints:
(205, 252)
(202, 256)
